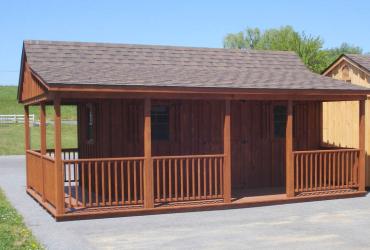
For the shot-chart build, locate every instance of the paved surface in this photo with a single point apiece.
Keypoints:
(335, 224)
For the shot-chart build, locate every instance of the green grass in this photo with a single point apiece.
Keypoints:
(12, 135)
(12, 138)
(13, 233)
(9, 105)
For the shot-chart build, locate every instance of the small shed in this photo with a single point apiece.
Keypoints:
(164, 129)
(340, 118)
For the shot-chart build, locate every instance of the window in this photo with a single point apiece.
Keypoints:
(90, 123)
(279, 121)
(160, 122)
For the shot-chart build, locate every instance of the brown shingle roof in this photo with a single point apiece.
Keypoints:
(147, 65)
(362, 60)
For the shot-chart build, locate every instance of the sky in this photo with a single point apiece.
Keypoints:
(187, 23)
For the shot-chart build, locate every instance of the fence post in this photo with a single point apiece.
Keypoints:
(227, 153)
(59, 182)
(289, 151)
(43, 145)
(361, 161)
(148, 168)
(27, 142)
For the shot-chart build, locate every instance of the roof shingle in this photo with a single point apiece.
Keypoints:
(147, 65)
(363, 60)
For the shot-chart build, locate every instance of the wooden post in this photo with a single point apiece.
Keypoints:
(227, 153)
(42, 146)
(148, 169)
(289, 151)
(361, 162)
(27, 142)
(58, 158)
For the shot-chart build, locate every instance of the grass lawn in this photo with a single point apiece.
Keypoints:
(9, 105)
(13, 232)
(12, 138)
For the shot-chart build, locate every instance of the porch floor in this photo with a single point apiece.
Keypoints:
(241, 198)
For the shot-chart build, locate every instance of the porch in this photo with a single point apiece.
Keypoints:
(71, 186)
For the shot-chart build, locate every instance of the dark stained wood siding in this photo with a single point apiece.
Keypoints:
(196, 127)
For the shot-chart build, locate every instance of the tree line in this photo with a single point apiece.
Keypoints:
(309, 48)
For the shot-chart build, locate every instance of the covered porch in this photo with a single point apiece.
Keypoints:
(180, 154)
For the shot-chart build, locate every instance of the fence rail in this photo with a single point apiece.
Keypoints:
(320, 170)
(16, 118)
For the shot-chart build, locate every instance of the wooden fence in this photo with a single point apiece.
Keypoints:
(41, 175)
(104, 182)
(319, 170)
(184, 178)
(15, 118)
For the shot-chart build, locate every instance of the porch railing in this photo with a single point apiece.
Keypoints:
(103, 182)
(319, 170)
(184, 178)
(41, 175)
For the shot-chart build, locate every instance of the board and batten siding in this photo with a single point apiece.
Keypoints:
(341, 119)
(196, 127)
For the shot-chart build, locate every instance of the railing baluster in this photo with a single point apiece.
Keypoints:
(193, 177)
(325, 171)
(210, 177)
(204, 178)
(128, 182)
(302, 187)
(347, 170)
(164, 179)
(83, 184)
(90, 194)
(187, 179)
(199, 186)
(141, 181)
(122, 184)
(334, 169)
(115, 183)
(169, 180)
(158, 182)
(109, 183)
(182, 178)
(96, 185)
(135, 183)
(215, 170)
(176, 187)
(103, 182)
(69, 185)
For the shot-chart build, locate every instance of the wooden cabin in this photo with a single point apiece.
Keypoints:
(340, 118)
(166, 129)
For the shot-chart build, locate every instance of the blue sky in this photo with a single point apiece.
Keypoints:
(188, 23)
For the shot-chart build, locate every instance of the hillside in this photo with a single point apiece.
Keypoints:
(10, 105)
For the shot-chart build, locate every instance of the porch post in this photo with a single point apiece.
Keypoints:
(227, 154)
(43, 145)
(148, 170)
(58, 158)
(361, 161)
(27, 142)
(289, 151)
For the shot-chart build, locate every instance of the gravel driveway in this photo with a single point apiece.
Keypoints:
(335, 224)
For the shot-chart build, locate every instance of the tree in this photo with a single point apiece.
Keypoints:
(308, 48)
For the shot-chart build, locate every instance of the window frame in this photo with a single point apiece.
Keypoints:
(160, 130)
(90, 124)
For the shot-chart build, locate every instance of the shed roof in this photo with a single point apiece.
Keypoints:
(104, 64)
(362, 60)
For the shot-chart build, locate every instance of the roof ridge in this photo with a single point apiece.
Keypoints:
(157, 46)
